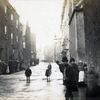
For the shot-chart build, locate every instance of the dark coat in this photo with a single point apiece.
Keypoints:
(28, 72)
(48, 72)
(72, 73)
(61, 68)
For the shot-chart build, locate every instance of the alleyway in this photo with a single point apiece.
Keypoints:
(14, 87)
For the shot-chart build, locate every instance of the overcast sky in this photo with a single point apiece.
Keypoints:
(44, 17)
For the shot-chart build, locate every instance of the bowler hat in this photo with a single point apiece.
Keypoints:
(64, 59)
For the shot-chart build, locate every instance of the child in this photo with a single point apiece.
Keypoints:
(48, 72)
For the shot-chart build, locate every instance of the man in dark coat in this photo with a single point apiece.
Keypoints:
(28, 73)
(63, 66)
(71, 73)
(75, 69)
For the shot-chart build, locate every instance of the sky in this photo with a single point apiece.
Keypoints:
(43, 16)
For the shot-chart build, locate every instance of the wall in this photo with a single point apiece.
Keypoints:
(92, 39)
(76, 30)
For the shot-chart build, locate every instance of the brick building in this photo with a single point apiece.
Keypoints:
(10, 34)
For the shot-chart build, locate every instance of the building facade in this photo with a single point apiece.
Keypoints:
(92, 40)
(10, 34)
(76, 30)
(65, 30)
(84, 38)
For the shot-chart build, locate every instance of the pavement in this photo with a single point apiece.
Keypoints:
(14, 86)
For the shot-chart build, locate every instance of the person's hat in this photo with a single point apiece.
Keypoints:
(72, 59)
(64, 59)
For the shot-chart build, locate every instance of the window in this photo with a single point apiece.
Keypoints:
(16, 23)
(5, 29)
(24, 45)
(12, 36)
(13, 51)
(12, 17)
(5, 9)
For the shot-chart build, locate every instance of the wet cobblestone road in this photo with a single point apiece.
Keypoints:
(14, 86)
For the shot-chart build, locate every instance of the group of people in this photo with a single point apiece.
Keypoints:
(28, 73)
(70, 73)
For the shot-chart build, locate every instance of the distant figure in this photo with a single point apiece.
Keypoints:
(28, 73)
(48, 72)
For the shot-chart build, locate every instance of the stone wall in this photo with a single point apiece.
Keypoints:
(92, 38)
(77, 35)
(80, 35)
(73, 37)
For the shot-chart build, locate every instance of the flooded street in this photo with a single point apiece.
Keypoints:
(14, 86)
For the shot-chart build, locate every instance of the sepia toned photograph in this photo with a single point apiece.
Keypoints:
(49, 49)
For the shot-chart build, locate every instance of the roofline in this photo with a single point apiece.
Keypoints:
(11, 7)
(74, 11)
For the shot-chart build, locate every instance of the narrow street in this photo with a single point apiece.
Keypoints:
(14, 86)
